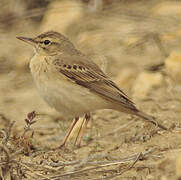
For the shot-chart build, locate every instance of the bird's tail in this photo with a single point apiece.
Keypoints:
(151, 119)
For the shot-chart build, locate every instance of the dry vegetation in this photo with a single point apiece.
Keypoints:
(141, 42)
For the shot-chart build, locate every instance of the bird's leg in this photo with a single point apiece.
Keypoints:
(83, 128)
(69, 132)
(80, 127)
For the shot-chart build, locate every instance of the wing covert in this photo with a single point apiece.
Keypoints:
(87, 74)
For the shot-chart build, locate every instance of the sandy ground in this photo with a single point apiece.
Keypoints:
(127, 35)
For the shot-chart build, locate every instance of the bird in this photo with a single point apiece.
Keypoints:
(71, 83)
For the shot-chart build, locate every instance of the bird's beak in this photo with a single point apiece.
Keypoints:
(27, 40)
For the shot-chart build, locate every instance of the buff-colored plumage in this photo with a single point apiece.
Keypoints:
(72, 83)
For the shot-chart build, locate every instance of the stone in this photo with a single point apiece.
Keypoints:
(173, 66)
(145, 82)
(60, 15)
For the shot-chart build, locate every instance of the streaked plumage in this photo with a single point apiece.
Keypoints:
(72, 83)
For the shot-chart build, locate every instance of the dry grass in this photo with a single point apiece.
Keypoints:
(131, 36)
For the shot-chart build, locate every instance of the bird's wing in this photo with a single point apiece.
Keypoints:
(87, 74)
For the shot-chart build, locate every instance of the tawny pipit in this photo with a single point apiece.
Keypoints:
(73, 84)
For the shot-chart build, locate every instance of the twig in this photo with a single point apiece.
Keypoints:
(86, 161)
(17, 152)
(6, 138)
(1, 174)
(4, 135)
(38, 167)
(6, 150)
(34, 172)
(140, 156)
(52, 164)
(5, 168)
(125, 160)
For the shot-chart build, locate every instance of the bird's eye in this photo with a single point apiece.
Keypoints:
(46, 42)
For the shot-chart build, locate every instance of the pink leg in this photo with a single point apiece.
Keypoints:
(69, 132)
(87, 118)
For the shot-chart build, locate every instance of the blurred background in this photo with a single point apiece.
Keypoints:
(138, 44)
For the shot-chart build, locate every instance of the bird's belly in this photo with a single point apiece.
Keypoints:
(70, 99)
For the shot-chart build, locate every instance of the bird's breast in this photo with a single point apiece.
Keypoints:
(65, 96)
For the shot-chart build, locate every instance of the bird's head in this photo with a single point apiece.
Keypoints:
(49, 43)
